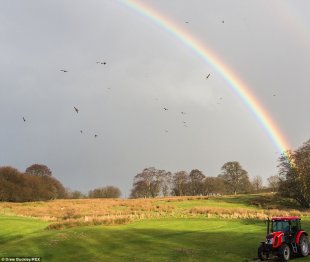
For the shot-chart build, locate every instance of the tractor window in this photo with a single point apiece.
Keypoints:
(280, 226)
(295, 226)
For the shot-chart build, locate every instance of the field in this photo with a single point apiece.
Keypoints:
(169, 229)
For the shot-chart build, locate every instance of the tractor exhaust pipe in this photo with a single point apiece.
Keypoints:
(268, 225)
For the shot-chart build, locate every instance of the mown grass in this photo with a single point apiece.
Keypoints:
(171, 229)
(195, 239)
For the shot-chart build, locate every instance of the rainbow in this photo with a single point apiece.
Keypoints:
(233, 81)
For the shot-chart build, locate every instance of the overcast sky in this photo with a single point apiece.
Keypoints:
(266, 43)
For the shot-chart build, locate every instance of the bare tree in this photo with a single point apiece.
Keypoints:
(257, 183)
(274, 182)
(165, 182)
(180, 183)
(213, 185)
(150, 183)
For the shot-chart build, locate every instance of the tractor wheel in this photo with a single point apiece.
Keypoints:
(285, 252)
(263, 256)
(303, 246)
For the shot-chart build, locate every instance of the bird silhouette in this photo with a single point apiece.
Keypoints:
(223, 21)
(208, 76)
(24, 119)
(76, 110)
(81, 131)
(183, 113)
(95, 135)
(165, 108)
(274, 95)
(65, 71)
(166, 130)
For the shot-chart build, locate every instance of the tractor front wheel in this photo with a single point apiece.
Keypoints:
(262, 254)
(285, 252)
(303, 246)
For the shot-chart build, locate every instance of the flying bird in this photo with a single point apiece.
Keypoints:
(65, 71)
(95, 136)
(183, 113)
(166, 130)
(207, 76)
(223, 21)
(165, 108)
(274, 95)
(186, 22)
(76, 110)
(24, 119)
(81, 131)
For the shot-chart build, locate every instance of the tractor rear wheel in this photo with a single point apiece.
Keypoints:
(303, 246)
(262, 254)
(285, 252)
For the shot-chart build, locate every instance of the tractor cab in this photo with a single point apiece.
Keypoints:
(284, 237)
(289, 225)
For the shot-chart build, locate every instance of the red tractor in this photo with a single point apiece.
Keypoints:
(284, 238)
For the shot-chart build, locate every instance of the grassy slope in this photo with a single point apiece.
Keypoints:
(173, 239)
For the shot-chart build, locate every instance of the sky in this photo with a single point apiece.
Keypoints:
(265, 44)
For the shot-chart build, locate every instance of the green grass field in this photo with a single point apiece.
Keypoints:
(163, 239)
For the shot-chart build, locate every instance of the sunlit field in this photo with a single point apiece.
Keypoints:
(226, 228)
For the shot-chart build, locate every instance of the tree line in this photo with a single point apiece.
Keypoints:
(291, 181)
(152, 182)
(35, 184)
(38, 184)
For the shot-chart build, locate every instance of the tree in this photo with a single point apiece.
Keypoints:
(213, 185)
(140, 189)
(39, 170)
(180, 183)
(150, 183)
(257, 183)
(19, 187)
(75, 194)
(105, 192)
(294, 174)
(273, 182)
(165, 183)
(235, 177)
(10, 184)
(196, 178)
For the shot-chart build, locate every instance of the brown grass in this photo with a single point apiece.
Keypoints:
(71, 213)
(243, 213)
